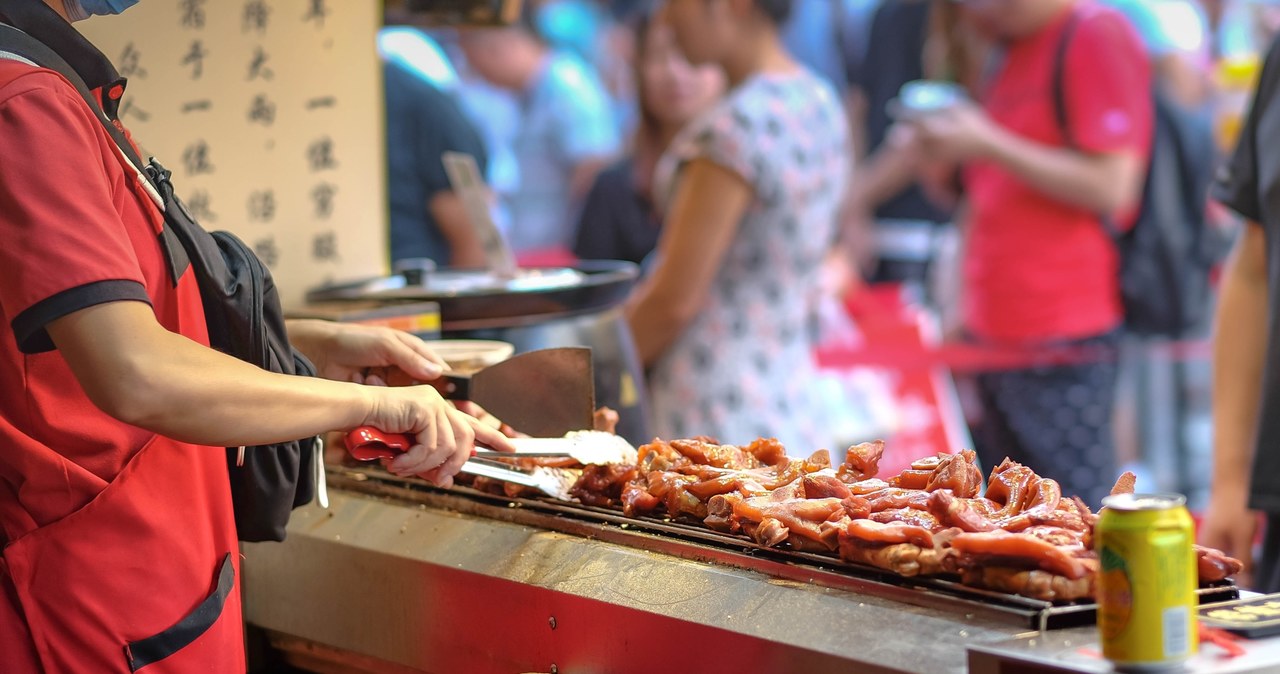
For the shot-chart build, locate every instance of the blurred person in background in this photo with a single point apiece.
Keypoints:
(564, 135)
(854, 30)
(889, 223)
(1246, 356)
(1242, 28)
(575, 26)
(815, 34)
(424, 121)
(1040, 269)
(750, 193)
(595, 33)
(1176, 35)
(1149, 419)
(619, 221)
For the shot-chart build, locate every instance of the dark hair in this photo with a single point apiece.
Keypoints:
(777, 11)
(644, 145)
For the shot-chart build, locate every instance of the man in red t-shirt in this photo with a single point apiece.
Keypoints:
(1040, 268)
(117, 539)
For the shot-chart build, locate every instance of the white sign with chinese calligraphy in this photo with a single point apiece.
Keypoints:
(269, 114)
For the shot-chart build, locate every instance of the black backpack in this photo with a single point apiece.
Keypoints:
(242, 309)
(1167, 257)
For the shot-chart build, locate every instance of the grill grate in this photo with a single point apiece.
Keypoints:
(695, 542)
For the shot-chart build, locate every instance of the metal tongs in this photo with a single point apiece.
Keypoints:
(370, 444)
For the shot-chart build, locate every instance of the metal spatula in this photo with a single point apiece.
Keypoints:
(554, 482)
(370, 444)
(544, 393)
(586, 447)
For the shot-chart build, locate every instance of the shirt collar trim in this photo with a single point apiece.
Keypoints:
(38, 20)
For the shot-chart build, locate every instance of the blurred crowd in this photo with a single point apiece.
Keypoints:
(757, 157)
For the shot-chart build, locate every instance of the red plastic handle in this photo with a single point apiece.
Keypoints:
(367, 443)
(1227, 641)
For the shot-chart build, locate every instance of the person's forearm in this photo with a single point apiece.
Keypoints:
(465, 249)
(149, 377)
(657, 318)
(1100, 184)
(233, 403)
(884, 175)
(1184, 80)
(584, 175)
(855, 105)
(708, 203)
(1238, 361)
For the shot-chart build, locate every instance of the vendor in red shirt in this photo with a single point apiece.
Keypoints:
(1040, 267)
(118, 545)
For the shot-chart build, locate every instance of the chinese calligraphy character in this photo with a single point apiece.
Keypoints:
(267, 250)
(262, 205)
(322, 199)
(196, 158)
(322, 102)
(198, 206)
(197, 106)
(256, 14)
(193, 13)
(320, 154)
(258, 66)
(128, 109)
(317, 13)
(262, 110)
(195, 59)
(130, 62)
(324, 247)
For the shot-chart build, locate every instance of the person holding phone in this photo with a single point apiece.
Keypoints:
(1040, 269)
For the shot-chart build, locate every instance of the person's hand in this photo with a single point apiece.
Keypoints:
(856, 245)
(1230, 526)
(346, 352)
(444, 436)
(606, 420)
(838, 273)
(471, 256)
(959, 133)
(903, 144)
(938, 181)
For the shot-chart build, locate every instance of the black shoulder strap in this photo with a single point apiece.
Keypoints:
(1059, 85)
(31, 50)
(1060, 79)
(19, 43)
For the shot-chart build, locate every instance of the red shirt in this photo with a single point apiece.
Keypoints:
(1035, 268)
(77, 230)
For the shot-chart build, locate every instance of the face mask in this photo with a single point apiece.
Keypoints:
(83, 9)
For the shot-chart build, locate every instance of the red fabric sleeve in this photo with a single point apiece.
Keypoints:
(65, 245)
(1108, 85)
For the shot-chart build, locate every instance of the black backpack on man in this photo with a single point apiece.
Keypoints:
(242, 309)
(1166, 258)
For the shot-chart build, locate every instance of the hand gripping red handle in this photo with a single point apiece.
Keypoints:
(367, 443)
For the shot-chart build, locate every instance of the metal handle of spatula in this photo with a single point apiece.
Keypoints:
(450, 386)
(367, 443)
(502, 474)
(370, 444)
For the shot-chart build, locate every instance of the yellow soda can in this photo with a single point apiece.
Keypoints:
(1146, 586)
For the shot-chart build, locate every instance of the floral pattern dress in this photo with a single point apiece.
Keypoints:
(743, 368)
